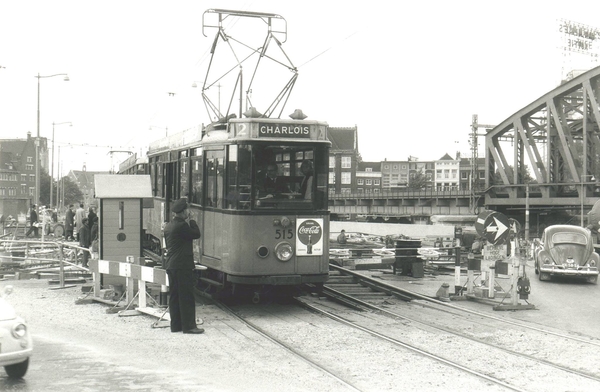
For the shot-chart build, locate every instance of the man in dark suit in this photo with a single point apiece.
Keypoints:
(180, 234)
(272, 185)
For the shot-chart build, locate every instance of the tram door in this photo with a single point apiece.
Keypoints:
(213, 202)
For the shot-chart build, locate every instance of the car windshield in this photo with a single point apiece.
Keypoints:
(569, 238)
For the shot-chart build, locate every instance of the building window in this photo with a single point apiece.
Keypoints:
(331, 191)
(346, 191)
(438, 173)
(375, 190)
(23, 189)
(23, 177)
(28, 167)
(386, 167)
(346, 162)
(331, 177)
(346, 178)
(369, 169)
(332, 162)
(464, 175)
(29, 159)
(376, 181)
(360, 181)
(31, 191)
(482, 175)
(369, 181)
(360, 190)
(454, 173)
(446, 173)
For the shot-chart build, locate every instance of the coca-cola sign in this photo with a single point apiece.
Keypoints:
(310, 231)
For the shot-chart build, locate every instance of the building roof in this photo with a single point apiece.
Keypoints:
(446, 158)
(345, 138)
(15, 146)
(375, 166)
(122, 186)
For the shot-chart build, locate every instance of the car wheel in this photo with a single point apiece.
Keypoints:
(17, 370)
(536, 269)
(593, 279)
(543, 276)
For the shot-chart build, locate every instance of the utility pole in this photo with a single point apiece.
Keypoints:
(474, 160)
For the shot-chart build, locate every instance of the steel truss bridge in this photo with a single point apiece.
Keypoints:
(544, 158)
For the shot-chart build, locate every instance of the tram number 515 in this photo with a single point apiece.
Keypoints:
(284, 234)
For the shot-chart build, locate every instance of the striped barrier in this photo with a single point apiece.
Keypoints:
(131, 272)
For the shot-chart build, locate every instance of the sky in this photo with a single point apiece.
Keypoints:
(408, 75)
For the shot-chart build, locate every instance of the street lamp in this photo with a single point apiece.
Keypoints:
(52, 164)
(37, 140)
(583, 177)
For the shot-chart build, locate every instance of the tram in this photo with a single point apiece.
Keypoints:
(134, 165)
(256, 182)
(254, 236)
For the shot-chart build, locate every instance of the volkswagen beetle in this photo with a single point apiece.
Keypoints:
(566, 250)
(15, 340)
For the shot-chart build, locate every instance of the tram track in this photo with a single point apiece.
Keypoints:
(490, 337)
(282, 344)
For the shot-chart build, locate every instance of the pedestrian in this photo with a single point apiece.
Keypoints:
(180, 234)
(91, 215)
(94, 238)
(341, 239)
(79, 215)
(85, 241)
(33, 222)
(69, 223)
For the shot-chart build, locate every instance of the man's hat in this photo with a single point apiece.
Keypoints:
(179, 206)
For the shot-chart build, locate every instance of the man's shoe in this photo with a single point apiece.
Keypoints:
(194, 330)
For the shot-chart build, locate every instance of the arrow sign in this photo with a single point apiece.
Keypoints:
(497, 229)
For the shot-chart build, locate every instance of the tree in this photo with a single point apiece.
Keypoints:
(72, 193)
(418, 180)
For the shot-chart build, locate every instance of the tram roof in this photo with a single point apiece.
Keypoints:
(245, 129)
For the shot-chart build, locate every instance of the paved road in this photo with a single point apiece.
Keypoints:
(60, 366)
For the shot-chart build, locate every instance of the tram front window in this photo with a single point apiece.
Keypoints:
(290, 177)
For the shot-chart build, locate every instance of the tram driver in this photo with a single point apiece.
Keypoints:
(270, 184)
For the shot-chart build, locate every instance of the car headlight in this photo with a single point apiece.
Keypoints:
(284, 251)
(19, 330)
(546, 260)
(592, 263)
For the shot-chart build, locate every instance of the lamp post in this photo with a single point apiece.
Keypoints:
(52, 164)
(583, 177)
(37, 140)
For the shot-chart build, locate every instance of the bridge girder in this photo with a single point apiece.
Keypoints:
(558, 134)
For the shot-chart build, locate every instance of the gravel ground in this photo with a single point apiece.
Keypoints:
(228, 357)
(232, 357)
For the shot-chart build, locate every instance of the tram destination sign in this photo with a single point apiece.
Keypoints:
(284, 130)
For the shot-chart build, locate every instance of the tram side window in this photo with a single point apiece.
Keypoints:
(153, 176)
(197, 174)
(184, 174)
(214, 178)
(160, 169)
(239, 183)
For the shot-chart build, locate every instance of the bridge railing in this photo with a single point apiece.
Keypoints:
(408, 194)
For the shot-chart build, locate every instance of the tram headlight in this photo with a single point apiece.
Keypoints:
(284, 251)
